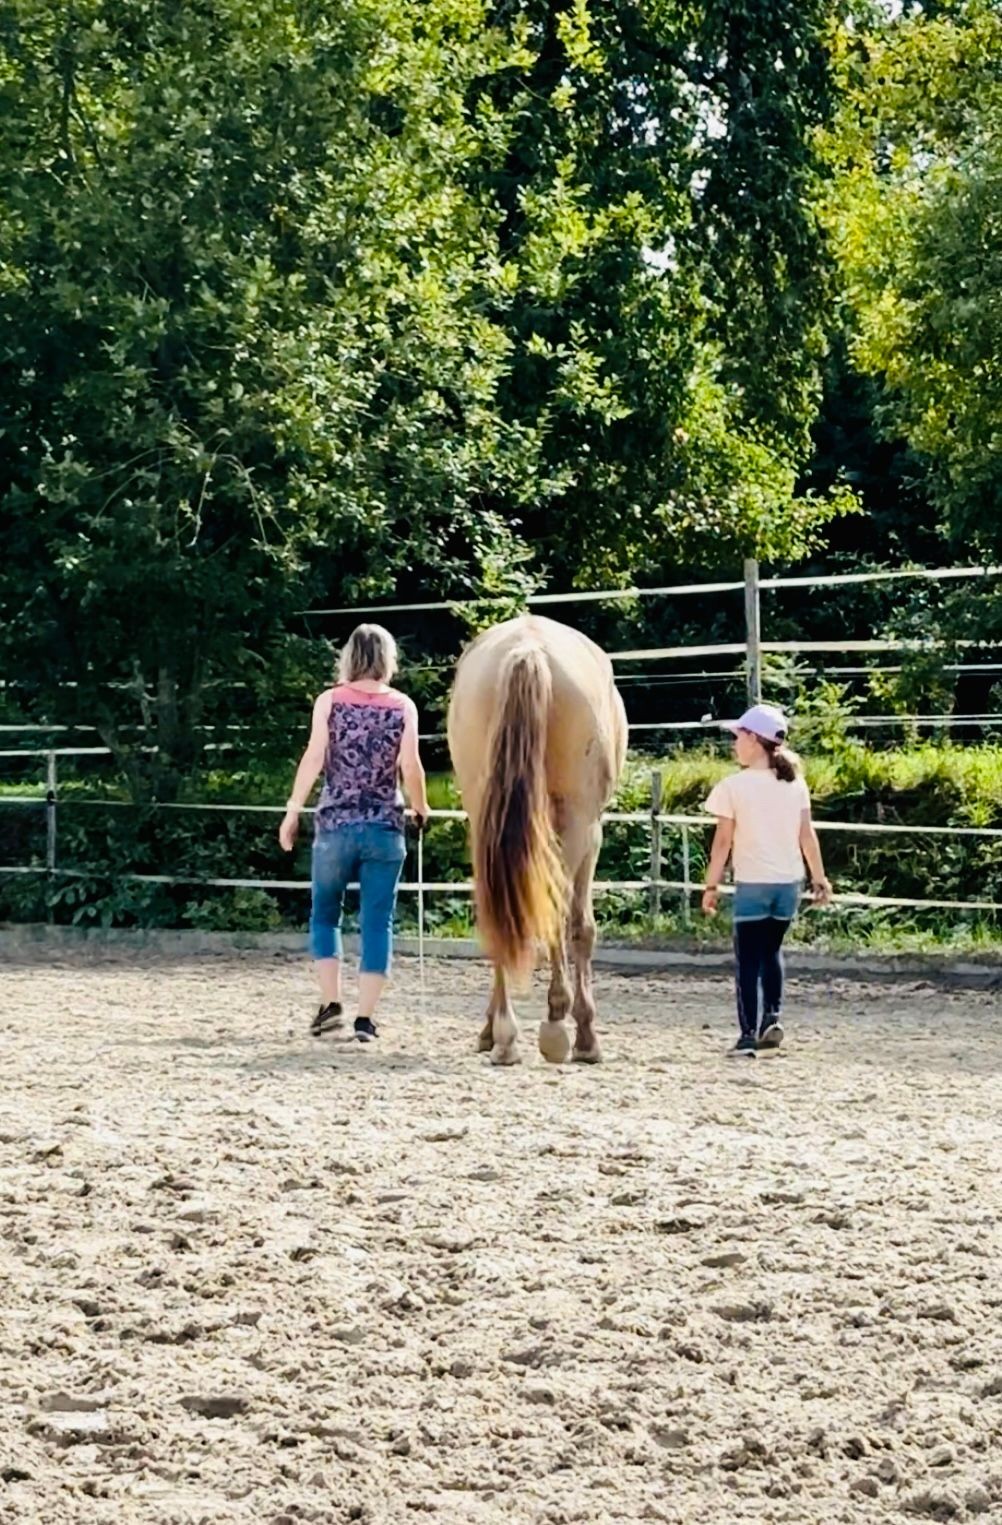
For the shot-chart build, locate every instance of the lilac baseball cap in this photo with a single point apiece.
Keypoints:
(762, 720)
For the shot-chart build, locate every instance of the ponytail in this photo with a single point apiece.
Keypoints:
(784, 763)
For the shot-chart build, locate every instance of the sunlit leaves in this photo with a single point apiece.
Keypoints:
(916, 221)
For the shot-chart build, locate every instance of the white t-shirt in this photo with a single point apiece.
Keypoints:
(767, 815)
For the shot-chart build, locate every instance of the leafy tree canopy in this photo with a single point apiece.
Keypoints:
(915, 214)
(361, 296)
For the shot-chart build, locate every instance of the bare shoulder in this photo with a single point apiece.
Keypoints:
(322, 704)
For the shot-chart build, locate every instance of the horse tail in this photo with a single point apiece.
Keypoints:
(521, 882)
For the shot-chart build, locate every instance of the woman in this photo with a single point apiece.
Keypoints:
(364, 738)
(764, 818)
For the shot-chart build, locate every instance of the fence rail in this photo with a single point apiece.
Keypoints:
(465, 887)
(947, 721)
(655, 819)
(677, 590)
(751, 649)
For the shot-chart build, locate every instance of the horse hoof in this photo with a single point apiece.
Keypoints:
(588, 1055)
(505, 1056)
(485, 1043)
(554, 1042)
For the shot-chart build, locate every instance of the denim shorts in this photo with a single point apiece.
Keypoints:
(373, 855)
(758, 902)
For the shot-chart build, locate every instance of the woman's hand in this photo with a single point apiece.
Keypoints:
(821, 891)
(710, 901)
(289, 830)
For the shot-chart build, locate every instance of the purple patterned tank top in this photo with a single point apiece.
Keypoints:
(362, 765)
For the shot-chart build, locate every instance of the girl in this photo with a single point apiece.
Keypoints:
(364, 737)
(764, 818)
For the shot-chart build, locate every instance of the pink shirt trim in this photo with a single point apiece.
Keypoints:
(347, 693)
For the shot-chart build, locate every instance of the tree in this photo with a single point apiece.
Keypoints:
(897, 522)
(241, 324)
(653, 169)
(915, 215)
(356, 297)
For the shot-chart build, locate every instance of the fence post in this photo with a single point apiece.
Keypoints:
(50, 822)
(655, 870)
(753, 633)
(686, 877)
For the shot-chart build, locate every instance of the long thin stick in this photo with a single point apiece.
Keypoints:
(420, 912)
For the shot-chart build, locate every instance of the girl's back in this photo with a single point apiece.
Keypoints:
(767, 812)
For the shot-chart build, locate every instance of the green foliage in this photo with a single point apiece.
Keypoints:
(304, 302)
(243, 319)
(235, 911)
(855, 444)
(915, 217)
(821, 709)
(101, 899)
(920, 687)
(651, 167)
(317, 304)
(929, 784)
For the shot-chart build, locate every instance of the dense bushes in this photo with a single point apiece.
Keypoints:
(926, 785)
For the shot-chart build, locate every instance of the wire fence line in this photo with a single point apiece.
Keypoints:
(610, 817)
(737, 648)
(948, 720)
(652, 886)
(752, 649)
(465, 887)
(723, 675)
(677, 590)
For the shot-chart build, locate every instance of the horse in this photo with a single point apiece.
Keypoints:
(537, 733)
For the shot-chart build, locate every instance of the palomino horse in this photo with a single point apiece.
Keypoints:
(537, 733)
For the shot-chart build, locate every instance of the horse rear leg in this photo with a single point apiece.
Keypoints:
(586, 1047)
(554, 1039)
(499, 1037)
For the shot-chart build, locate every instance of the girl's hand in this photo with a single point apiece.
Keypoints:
(822, 891)
(710, 902)
(289, 830)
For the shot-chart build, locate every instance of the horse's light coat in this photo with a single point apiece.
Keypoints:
(574, 724)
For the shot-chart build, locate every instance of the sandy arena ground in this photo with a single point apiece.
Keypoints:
(249, 1277)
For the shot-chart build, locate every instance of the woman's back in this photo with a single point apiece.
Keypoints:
(365, 726)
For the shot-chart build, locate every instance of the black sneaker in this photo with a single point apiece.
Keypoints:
(744, 1048)
(365, 1029)
(771, 1035)
(327, 1020)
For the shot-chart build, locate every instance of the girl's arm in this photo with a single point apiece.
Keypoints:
(723, 841)
(308, 771)
(811, 849)
(411, 767)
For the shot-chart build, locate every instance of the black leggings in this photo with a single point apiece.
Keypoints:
(759, 949)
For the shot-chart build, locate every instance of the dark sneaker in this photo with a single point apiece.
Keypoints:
(771, 1035)
(744, 1048)
(365, 1029)
(327, 1020)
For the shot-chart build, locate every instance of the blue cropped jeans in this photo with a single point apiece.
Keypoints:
(373, 854)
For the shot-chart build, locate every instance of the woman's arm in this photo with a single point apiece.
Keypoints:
(308, 772)
(411, 767)
(811, 849)
(723, 841)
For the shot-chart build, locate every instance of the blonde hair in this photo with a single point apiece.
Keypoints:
(370, 652)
